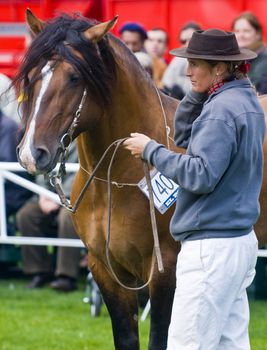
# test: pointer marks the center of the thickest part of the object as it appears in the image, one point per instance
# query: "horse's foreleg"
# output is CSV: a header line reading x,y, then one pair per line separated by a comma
x,y
122,306
161,292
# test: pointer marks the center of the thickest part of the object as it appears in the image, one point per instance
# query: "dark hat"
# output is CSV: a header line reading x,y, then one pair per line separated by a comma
x,y
214,44
134,27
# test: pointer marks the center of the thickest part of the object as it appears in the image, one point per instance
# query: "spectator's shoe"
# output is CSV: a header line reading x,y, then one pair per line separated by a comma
x,y
64,284
39,280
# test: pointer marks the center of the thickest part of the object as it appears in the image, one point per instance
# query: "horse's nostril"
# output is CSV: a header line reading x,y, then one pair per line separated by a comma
x,y
42,157
18,152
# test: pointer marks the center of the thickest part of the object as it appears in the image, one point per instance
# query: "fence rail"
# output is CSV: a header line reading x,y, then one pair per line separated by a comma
x,y
6,172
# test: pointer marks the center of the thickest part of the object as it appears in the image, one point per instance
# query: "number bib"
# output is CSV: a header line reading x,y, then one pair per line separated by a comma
x,y
164,190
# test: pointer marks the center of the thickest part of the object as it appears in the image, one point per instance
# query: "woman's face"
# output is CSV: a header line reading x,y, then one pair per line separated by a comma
x,y
246,35
202,75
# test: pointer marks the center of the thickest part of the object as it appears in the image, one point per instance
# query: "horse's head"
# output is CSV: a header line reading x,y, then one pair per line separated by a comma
x,y
64,69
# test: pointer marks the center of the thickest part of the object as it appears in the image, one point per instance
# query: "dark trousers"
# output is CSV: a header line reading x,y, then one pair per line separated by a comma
x,y
32,222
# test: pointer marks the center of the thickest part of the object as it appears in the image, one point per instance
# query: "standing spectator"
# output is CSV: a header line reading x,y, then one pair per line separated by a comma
x,y
42,218
157,42
156,46
133,35
175,74
249,34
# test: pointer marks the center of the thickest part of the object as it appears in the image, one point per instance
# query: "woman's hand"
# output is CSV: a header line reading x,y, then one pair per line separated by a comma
x,y
136,143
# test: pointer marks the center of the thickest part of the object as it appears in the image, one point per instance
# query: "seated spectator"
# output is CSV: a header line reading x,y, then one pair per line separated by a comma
x,y
42,218
175,74
133,35
249,35
156,46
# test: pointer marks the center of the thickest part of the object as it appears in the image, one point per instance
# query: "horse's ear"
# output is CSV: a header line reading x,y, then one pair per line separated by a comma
x,y
97,32
36,25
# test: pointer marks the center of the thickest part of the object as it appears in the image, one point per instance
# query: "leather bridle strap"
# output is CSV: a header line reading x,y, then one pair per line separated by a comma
x,y
65,202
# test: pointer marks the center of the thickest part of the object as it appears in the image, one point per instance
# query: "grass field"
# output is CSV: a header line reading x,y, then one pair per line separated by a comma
x,y
45,320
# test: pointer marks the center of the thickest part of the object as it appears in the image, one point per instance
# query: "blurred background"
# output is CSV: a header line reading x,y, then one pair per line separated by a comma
x,y
167,14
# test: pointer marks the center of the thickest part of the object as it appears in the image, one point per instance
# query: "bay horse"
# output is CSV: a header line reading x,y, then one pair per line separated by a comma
x,y
71,55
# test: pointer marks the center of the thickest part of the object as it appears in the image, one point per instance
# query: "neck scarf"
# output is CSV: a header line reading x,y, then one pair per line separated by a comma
x,y
214,87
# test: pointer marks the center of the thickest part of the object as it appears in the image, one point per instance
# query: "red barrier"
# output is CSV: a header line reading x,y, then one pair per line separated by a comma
x,y
13,29
172,14
168,14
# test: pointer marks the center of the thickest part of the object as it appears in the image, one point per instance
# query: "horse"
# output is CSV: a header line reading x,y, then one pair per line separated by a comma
x,y
76,65
71,55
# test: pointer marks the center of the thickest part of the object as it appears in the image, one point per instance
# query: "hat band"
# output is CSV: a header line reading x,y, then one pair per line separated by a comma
x,y
216,52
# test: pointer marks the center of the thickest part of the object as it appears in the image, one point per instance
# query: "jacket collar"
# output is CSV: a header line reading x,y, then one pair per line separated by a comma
x,y
240,83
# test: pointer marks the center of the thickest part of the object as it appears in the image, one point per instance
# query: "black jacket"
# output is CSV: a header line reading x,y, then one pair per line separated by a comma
x,y
10,136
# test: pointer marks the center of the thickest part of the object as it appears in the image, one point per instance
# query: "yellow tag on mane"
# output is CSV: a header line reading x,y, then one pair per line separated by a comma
x,y
22,97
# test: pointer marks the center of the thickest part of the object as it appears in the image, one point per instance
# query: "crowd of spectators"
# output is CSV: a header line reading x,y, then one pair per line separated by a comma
x,y
40,217
151,46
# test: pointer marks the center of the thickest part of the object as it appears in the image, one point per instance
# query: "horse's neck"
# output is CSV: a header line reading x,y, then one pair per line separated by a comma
x,y
136,107
136,100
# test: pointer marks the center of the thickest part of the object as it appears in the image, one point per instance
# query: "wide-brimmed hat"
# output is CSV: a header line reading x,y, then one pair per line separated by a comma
x,y
215,45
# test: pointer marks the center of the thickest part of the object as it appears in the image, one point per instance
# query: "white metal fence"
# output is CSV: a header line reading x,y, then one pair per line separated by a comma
x,y
6,172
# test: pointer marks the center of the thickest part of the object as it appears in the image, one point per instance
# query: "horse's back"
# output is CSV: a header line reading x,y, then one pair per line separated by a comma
x,y
261,225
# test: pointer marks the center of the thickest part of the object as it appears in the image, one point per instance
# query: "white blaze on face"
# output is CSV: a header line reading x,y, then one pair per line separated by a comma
x,y
25,153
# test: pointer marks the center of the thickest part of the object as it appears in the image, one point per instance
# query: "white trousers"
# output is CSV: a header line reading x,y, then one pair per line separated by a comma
x,y
210,307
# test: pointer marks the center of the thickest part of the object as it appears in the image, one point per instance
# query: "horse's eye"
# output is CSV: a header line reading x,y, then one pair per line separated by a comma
x,y
74,78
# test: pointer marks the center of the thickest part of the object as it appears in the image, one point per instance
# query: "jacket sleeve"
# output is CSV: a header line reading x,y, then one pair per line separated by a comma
x,y
200,170
187,112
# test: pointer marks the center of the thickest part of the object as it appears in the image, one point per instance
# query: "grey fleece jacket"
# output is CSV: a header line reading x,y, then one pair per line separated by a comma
x,y
220,175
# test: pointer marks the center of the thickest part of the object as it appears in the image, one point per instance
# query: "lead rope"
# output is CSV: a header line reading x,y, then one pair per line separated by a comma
x,y
56,182
153,222
166,126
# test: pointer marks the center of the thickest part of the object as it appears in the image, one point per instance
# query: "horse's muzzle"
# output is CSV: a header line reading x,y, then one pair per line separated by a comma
x,y
36,160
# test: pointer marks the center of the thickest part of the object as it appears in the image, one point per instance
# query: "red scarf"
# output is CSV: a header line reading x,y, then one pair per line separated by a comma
x,y
214,87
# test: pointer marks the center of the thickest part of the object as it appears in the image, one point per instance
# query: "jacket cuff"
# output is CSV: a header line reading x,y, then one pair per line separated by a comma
x,y
149,149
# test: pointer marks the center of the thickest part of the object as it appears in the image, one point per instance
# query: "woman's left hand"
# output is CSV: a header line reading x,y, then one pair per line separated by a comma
x,y
136,143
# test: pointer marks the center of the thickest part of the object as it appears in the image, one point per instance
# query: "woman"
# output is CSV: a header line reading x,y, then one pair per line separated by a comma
x,y
249,34
222,125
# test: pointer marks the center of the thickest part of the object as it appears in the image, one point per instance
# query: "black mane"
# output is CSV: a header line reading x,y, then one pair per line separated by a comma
x,y
97,72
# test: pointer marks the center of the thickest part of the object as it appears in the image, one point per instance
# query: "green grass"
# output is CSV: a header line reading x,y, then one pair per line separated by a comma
x,y
46,320
258,324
